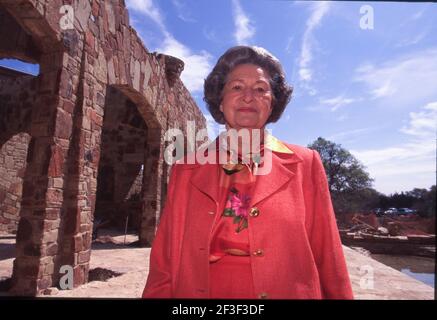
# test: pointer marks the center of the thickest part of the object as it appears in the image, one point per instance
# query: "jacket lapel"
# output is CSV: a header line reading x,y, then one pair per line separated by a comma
x,y
206,179
282,171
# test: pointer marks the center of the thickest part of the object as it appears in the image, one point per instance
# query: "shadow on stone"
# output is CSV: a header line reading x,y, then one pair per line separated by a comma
x,y
101,274
7,251
5,284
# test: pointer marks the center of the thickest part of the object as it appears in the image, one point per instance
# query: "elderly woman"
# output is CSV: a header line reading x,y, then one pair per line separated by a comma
x,y
227,232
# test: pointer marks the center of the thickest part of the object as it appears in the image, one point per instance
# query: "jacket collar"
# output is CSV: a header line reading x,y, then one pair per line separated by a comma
x,y
282,171
206,176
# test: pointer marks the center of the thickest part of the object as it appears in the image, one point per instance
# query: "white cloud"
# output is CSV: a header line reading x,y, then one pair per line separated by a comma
x,y
289,47
424,123
305,74
386,89
333,103
402,81
342,117
318,11
197,65
417,15
408,165
211,35
183,12
400,168
412,41
244,29
409,39
148,8
337,102
349,135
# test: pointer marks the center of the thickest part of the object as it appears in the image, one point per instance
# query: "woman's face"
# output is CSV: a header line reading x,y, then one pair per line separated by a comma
x,y
247,97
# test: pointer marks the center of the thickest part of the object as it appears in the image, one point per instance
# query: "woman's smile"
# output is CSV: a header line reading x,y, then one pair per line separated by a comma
x,y
246,109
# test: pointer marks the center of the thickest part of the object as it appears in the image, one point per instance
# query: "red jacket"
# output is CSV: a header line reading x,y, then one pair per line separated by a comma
x,y
296,229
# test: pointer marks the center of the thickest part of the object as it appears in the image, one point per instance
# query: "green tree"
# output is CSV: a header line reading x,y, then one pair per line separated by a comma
x,y
350,185
424,201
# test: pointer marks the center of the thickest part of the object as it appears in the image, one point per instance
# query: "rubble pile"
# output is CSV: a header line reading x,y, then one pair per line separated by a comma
x,y
387,225
410,235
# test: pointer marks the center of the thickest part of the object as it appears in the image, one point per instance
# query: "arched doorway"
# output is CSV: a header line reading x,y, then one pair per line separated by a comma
x,y
119,198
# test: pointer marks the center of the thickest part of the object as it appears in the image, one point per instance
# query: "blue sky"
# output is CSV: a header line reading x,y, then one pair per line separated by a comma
x,y
374,91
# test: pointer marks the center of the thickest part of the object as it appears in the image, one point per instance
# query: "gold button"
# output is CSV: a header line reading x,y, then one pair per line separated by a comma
x,y
258,253
254,212
263,295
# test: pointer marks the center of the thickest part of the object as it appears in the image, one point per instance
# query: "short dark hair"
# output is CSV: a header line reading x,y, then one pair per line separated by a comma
x,y
216,80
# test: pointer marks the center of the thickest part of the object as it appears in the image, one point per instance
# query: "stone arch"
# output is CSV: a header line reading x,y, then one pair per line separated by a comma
x,y
124,144
154,168
28,107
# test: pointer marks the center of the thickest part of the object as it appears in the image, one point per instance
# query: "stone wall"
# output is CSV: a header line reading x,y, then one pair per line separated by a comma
x,y
12,166
63,111
17,93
